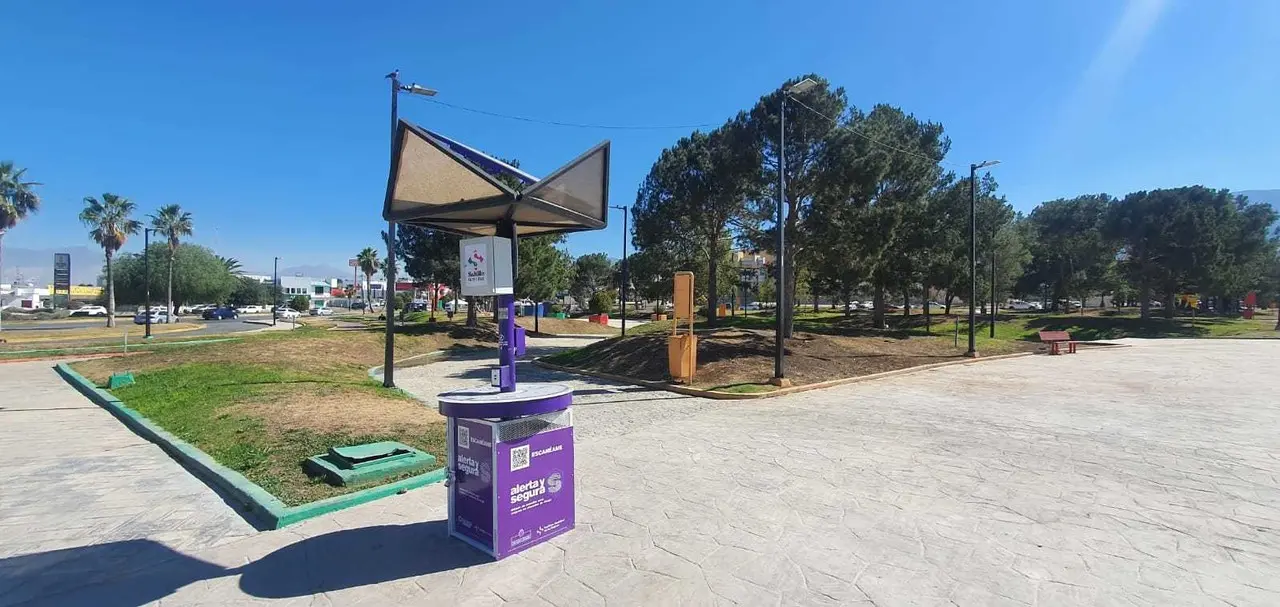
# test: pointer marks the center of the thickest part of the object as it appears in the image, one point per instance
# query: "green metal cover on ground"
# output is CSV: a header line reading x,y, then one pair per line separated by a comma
x,y
358,464
119,380
357,456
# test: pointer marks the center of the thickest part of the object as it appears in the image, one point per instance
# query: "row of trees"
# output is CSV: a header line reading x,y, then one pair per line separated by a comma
x,y
110,222
871,208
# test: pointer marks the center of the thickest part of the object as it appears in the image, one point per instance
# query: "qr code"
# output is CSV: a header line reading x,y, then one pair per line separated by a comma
x,y
464,437
520,458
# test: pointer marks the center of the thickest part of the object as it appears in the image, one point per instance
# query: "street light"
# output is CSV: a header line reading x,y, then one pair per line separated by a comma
x,y
388,357
973,251
146,276
275,290
625,282
779,374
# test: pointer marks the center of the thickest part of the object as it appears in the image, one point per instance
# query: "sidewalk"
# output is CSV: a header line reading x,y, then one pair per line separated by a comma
x,y
1152,483
74,476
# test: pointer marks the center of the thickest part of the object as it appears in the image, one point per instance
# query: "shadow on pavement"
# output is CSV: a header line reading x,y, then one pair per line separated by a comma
x,y
134,572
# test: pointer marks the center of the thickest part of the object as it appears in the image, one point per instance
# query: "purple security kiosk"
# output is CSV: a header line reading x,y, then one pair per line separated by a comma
x,y
510,445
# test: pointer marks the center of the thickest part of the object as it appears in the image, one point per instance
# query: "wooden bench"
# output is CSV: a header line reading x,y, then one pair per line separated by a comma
x,y
1055,339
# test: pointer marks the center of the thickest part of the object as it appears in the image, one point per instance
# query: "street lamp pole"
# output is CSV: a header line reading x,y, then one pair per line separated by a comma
x,y
781,313
993,280
625,279
275,290
388,355
973,252
146,273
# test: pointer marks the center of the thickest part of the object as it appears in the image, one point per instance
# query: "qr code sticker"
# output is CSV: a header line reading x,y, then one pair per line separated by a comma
x,y
464,437
520,458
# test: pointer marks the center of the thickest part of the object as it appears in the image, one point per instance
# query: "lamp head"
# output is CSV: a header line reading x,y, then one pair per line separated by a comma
x,y
802,86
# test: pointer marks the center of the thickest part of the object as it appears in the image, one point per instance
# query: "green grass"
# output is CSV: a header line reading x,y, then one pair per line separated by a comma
x,y
197,402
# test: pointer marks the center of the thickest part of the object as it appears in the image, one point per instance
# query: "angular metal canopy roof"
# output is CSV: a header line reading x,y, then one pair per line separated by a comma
x,y
441,183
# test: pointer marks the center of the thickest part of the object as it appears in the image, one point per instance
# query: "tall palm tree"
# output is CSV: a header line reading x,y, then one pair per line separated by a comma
x,y
17,200
174,223
232,264
110,225
368,262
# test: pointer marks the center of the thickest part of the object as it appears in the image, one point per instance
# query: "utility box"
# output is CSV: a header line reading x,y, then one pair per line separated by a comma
x,y
682,354
486,266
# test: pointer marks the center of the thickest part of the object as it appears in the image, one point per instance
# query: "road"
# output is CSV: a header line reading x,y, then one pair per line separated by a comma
x,y
211,327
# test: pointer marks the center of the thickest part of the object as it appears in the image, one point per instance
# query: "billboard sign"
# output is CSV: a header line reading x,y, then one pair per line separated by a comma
x,y
62,272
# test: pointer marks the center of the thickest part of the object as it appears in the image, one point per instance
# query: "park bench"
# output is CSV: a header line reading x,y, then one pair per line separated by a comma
x,y
1055,339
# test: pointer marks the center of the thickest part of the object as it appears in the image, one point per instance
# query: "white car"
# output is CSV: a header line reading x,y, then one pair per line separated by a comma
x,y
249,309
866,305
321,312
287,313
89,311
157,317
1018,304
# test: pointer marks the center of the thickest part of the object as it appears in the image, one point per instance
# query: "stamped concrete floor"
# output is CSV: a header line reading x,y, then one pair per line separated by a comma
x,y
1126,476
71,475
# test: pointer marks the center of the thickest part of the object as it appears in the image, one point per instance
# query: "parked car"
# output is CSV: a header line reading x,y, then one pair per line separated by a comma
x,y
89,311
220,313
321,312
1018,304
866,305
249,309
755,305
287,313
157,317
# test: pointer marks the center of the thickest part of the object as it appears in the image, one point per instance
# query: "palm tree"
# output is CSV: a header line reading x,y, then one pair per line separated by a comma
x,y
368,262
174,223
232,264
110,226
17,200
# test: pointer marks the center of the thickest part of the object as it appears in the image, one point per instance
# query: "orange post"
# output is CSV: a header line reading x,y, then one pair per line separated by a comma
x,y
682,347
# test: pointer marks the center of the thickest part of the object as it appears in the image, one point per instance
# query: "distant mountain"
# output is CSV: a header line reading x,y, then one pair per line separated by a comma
x,y
36,265
1271,197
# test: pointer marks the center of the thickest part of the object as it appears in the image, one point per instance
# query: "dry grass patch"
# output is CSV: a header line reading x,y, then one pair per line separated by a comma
x,y
559,326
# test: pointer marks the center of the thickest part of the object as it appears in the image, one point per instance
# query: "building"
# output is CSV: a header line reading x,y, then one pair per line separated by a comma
x,y
319,290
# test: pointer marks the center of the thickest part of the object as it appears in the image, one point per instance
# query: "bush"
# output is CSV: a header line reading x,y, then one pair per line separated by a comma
x,y
416,317
403,300
301,303
555,308
601,302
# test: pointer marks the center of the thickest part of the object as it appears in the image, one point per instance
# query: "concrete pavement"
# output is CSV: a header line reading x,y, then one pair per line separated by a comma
x,y
1133,476
74,476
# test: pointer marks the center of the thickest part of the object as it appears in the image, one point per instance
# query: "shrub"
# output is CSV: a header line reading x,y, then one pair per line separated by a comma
x,y
301,303
601,302
555,308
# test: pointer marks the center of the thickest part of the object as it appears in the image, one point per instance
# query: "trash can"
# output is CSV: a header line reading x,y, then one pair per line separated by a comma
x,y
510,465
519,340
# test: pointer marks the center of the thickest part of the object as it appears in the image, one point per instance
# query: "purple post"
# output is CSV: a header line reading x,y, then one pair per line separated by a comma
x,y
507,343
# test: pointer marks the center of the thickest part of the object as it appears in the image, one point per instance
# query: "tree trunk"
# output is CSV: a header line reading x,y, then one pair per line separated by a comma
x,y
169,293
906,303
1144,305
877,307
111,292
928,322
815,300
712,316
435,297
1168,304
947,308
472,320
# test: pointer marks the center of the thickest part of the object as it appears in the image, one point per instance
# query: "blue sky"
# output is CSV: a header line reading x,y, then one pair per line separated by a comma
x,y
269,120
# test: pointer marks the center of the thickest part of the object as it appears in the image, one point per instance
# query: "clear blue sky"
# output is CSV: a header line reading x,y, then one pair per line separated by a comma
x,y
269,120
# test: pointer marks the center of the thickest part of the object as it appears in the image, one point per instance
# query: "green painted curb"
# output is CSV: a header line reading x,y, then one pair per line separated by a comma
x,y
268,507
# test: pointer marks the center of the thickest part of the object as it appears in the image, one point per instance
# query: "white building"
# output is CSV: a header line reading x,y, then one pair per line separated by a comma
x,y
319,290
